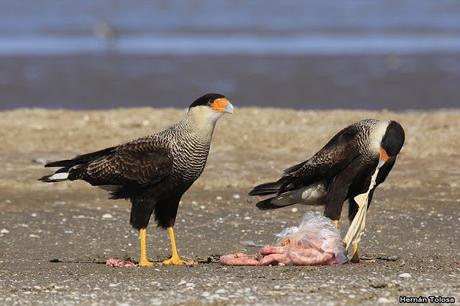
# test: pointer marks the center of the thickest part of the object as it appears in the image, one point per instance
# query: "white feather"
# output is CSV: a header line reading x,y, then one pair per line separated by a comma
x,y
377,134
309,195
59,176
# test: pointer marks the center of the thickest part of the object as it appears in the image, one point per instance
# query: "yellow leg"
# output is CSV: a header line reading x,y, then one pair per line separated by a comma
x,y
336,223
143,261
355,258
175,259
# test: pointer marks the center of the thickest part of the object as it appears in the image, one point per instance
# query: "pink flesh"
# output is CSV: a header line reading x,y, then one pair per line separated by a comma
x,y
239,259
306,252
118,263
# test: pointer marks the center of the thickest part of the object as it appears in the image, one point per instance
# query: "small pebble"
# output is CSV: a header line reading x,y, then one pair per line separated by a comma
x,y
4,231
106,216
219,198
405,275
236,196
294,209
40,160
384,300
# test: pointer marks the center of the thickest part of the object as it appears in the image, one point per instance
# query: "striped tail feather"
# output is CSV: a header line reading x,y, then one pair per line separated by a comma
x,y
56,177
70,165
270,188
275,202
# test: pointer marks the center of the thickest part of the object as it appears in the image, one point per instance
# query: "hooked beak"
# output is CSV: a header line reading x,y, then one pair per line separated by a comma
x,y
222,105
383,157
229,108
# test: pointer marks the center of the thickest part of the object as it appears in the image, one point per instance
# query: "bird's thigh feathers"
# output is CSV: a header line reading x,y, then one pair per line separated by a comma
x,y
141,210
338,189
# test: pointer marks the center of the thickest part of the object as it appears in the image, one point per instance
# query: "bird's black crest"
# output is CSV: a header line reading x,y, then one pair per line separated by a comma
x,y
206,99
393,140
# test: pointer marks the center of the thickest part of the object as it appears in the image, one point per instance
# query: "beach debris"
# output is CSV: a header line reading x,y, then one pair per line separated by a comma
x,y
40,160
107,216
316,241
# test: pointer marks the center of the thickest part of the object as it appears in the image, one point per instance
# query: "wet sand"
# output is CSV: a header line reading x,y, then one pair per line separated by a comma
x,y
54,238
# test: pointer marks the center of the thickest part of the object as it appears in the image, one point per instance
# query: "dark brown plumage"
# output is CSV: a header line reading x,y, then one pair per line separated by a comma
x,y
340,171
153,172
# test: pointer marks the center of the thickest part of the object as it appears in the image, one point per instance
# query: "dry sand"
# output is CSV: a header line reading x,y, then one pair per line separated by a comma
x,y
414,215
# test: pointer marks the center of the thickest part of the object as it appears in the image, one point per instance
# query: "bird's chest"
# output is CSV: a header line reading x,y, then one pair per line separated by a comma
x,y
190,159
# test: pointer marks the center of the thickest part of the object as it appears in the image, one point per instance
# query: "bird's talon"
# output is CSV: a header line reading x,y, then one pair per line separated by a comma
x,y
174,261
145,263
355,258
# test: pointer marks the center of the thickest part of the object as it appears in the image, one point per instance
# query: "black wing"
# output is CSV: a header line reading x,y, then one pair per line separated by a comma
x,y
339,152
336,155
139,163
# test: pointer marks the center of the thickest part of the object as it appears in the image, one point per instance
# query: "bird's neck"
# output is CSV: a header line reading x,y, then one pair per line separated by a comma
x,y
200,124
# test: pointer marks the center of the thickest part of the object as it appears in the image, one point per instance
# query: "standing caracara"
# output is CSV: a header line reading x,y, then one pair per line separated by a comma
x,y
350,166
153,172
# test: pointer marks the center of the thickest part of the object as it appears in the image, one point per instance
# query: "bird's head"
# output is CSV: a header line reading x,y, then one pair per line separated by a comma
x,y
211,106
392,142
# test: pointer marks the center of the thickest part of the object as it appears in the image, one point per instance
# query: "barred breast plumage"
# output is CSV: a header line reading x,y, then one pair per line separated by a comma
x,y
154,170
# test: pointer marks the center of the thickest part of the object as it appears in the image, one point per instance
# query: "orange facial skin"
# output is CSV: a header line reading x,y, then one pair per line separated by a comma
x,y
383,155
218,105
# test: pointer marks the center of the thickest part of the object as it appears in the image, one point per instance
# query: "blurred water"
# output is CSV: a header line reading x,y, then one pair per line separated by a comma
x,y
226,26
134,46
232,44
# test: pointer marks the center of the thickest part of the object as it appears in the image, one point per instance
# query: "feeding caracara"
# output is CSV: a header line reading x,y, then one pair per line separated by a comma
x,y
350,166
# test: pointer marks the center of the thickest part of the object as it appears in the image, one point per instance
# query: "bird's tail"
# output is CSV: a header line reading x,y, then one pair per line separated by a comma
x,y
275,202
69,166
59,176
269,188
309,195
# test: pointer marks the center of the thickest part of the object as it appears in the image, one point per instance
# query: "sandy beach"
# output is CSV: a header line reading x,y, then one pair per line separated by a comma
x,y
53,238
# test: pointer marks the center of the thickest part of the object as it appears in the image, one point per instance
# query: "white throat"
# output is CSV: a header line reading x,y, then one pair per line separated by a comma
x,y
376,135
202,120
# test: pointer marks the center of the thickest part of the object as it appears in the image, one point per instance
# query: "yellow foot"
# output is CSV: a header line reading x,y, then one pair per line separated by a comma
x,y
174,261
145,263
355,258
